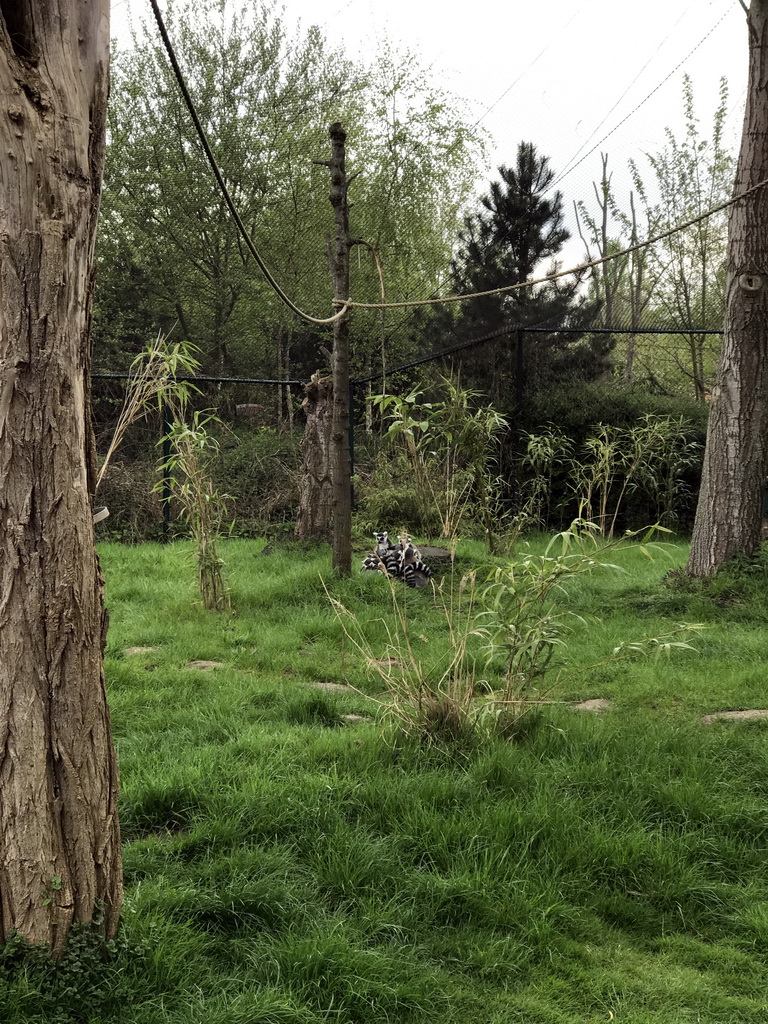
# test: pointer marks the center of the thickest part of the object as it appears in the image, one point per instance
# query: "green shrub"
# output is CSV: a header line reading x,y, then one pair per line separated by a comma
x,y
392,506
135,510
259,470
575,408
201,507
438,474
579,413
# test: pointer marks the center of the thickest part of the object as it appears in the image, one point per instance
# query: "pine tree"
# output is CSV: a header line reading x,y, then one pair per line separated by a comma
x,y
519,225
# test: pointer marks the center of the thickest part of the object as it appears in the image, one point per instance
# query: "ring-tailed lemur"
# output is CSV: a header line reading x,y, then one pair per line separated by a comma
x,y
383,544
385,557
400,561
414,572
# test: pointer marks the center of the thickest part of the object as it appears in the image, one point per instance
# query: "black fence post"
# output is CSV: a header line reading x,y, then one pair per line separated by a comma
x,y
166,491
520,367
352,443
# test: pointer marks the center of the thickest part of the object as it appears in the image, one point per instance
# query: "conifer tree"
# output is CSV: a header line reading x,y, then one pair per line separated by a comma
x,y
519,226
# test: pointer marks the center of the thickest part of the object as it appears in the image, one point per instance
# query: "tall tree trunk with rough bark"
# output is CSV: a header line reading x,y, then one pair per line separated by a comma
x,y
59,835
729,513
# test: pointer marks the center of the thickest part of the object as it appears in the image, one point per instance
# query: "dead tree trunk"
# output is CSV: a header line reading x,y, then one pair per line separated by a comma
x,y
342,498
59,836
611,272
315,517
636,302
729,513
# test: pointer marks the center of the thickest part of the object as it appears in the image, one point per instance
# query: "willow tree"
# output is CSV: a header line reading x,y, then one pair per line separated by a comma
x,y
729,513
59,835
169,252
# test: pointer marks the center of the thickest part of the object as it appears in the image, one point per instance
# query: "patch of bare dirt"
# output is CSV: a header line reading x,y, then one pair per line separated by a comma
x,y
594,704
737,716
333,687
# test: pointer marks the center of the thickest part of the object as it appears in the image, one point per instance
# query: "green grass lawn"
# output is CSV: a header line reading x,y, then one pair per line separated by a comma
x,y
286,866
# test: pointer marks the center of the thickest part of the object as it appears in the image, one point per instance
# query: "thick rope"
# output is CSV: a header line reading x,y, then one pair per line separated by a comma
x,y
571,270
346,304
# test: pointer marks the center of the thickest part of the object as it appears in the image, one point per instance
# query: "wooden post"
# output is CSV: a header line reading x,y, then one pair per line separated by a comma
x,y
342,504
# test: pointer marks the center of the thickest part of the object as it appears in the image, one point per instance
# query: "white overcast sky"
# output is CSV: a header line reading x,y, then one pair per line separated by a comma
x,y
562,73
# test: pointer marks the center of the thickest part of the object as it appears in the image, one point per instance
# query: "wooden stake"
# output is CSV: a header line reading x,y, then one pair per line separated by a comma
x,y
340,459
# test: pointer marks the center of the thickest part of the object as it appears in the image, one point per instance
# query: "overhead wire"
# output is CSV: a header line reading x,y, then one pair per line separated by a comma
x,y
442,300
635,109
493,106
482,117
618,101
341,9
570,166
525,71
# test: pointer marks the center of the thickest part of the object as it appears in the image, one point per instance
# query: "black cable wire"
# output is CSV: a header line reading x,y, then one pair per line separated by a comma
x,y
572,166
124,375
220,179
525,71
241,227
594,132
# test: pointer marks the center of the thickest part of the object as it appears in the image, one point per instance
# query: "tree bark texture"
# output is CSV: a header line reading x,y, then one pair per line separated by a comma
x,y
59,835
729,513
315,518
342,498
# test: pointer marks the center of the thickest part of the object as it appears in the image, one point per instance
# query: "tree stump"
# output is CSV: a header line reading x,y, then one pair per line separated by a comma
x,y
440,557
315,517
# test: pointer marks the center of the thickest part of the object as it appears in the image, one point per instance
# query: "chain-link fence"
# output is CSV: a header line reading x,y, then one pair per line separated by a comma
x,y
216,133
260,421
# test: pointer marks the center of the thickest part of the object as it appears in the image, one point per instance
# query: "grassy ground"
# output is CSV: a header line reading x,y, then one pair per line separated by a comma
x,y
284,866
